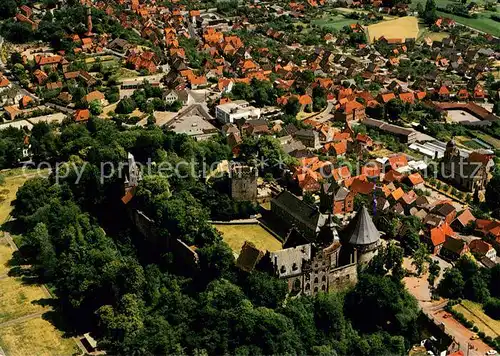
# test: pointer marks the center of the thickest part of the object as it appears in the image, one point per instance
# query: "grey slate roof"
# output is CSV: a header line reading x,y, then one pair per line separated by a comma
x,y
362,229
341,194
302,211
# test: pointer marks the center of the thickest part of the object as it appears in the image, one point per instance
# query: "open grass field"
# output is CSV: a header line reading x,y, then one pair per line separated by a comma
x,y
236,235
404,27
333,22
35,337
125,73
5,256
16,299
30,335
474,313
13,180
482,23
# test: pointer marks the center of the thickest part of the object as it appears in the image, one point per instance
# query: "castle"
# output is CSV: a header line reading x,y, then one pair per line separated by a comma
x,y
314,257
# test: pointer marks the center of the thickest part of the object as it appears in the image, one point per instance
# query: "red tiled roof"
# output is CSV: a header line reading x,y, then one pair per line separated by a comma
x,y
398,194
387,97
82,115
466,217
398,161
416,178
407,97
443,90
439,234
480,246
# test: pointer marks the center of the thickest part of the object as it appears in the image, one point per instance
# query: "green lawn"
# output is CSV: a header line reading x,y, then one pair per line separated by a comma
x,y
474,313
333,22
439,3
482,23
235,236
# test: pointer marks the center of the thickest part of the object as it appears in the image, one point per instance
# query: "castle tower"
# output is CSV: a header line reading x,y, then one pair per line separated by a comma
x,y
362,235
452,151
328,233
89,19
244,183
327,195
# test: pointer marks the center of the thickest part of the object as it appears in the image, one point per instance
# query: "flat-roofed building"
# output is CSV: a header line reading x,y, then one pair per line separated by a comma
x,y
239,109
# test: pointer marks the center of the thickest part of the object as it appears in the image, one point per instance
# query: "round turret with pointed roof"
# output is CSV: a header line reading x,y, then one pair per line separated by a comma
x,y
361,230
362,236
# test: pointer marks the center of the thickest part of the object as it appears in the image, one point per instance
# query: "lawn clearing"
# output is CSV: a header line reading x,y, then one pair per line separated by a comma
x,y
235,236
124,73
35,337
402,28
333,22
13,180
437,36
474,313
5,256
16,299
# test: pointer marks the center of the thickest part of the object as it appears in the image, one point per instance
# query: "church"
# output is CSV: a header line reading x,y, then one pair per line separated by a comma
x,y
469,172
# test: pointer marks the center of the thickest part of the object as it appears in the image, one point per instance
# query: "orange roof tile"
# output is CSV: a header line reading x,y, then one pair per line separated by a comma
x,y
388,97
416,178
398,194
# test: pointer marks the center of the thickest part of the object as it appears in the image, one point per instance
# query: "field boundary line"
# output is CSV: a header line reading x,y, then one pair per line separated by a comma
x,y
22,319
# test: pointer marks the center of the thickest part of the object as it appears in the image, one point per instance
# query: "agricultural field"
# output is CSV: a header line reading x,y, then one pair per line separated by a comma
x,y
235,236
35,337
487,138
483,23
475,314
404,27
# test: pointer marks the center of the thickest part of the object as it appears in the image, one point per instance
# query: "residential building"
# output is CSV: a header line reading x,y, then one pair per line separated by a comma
x,y
454,248
309,138
351,111
482,248
235,110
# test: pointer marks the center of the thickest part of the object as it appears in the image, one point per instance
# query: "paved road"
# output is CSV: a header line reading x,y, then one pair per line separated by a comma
x,y
324,115
60,108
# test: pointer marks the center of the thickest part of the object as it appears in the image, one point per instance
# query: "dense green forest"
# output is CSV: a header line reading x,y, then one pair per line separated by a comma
x,y
136,301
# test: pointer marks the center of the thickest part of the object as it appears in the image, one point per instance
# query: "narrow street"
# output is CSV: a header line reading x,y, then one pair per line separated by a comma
x,y
434,309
